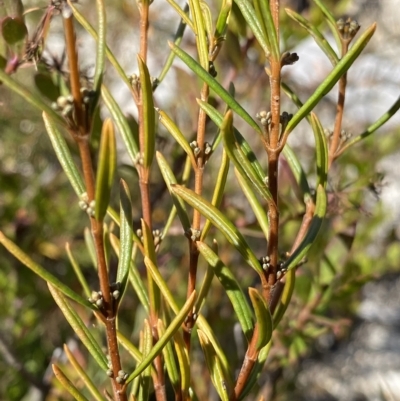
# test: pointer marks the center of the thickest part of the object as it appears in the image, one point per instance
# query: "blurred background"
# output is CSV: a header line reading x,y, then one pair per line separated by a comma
x,y
340,339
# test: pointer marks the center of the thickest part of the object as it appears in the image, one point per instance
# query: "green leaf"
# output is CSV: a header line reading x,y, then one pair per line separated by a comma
x,y
214,367
67,384
344,64
331,21
79,328
145,376
169,332
298,172
64,156
169,359
149,124
204,287
269,27
150,253
240,160
220,221
290,279
321,148
170,179
166,121
232,288
177,41
106,169
316,222
250,16
83,375
13,30
161,284
316,34
34,100
184,363
126,236
122,124
200,32
218,190
41,272
256,207
263,319
77,270
87,235
46,86
375,126
222,21
182,13
215,86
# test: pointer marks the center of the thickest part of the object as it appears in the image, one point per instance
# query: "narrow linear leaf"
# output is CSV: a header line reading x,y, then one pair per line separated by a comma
x,y
232,288
171,127
204,288
149,124
106,169
240,160
126,236
182,14
256,207
133,351
321,148
122,124
214,369
169,358
161,284
316,222
89,242
64,156
200,32
298,172
330,20
67,384
375,126
204,326
344,64
263,319
170,179
220,221
177,41
218,190
290,279
41,272
184,363
223,19
89,28
250,16
150,253
169,332
316,34
145,376
79,328
214,85
34,100
83,375
77,270
267,20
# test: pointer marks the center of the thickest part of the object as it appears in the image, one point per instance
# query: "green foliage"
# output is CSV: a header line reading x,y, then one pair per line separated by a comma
x,y
131,283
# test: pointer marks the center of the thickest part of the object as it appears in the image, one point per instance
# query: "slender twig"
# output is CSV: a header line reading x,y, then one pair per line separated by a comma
x,y
81,134
273,150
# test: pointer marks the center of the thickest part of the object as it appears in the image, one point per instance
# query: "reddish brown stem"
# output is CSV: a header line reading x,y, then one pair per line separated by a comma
x,y
335,142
